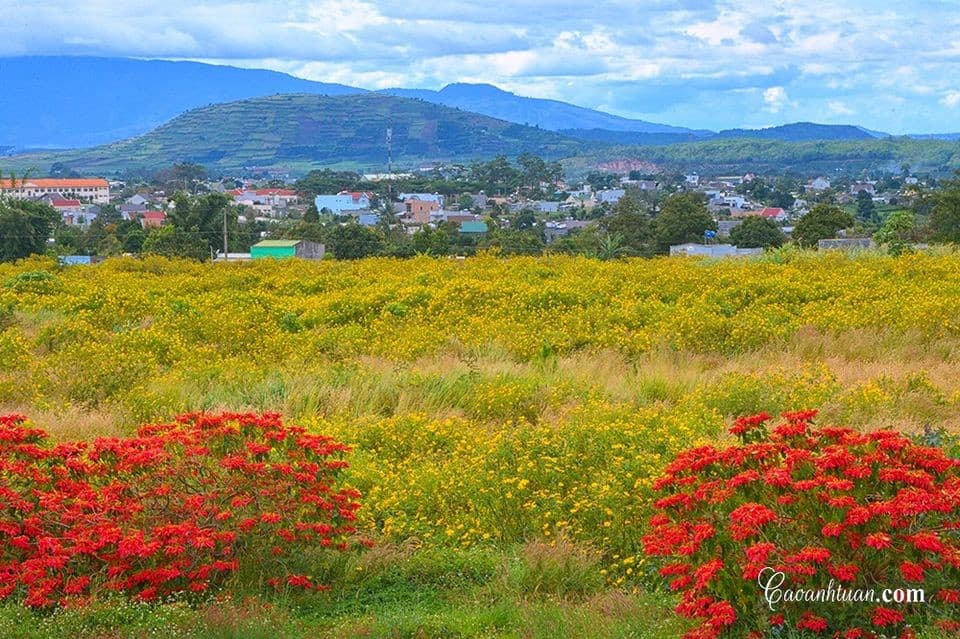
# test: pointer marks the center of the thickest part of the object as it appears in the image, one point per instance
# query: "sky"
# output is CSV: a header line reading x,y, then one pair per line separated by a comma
x,y
892,66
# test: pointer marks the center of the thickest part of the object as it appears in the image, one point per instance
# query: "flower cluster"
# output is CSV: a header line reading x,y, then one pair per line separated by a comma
x,y
178,507
823,506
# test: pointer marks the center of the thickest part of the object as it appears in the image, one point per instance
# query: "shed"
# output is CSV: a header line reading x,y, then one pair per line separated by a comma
x,y
473,227
304,249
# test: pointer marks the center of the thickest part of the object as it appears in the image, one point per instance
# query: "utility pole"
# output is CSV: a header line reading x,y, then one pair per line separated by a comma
x,y
226,255
390,164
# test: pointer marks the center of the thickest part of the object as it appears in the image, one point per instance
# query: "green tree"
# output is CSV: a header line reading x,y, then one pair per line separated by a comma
x,y
945,211
172,242
203,217
866,210
25,227
352,241
683,218
430,241
757,232
632,225
311,215
823,221
897,232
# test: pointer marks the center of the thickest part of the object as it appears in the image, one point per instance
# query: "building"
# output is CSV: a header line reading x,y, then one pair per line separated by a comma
x,y
87,190
609,196
420,210
712,250
846,244
343,201
152,219
473,227
279,249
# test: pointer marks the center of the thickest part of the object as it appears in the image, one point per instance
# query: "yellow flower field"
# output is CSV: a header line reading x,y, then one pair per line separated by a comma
x,y
489,400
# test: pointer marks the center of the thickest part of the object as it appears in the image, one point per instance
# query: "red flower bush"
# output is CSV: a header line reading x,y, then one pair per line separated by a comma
x,y
178,507
751,533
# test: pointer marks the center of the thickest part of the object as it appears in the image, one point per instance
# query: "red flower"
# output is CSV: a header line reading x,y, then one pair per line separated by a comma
x,y
878,540
886,616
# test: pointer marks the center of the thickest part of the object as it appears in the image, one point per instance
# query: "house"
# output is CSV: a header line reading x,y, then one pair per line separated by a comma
x,y
609,196
368,219
866,187
89,190
343,201
152,219
543,206
771,213
712,250
423,197
473,227
819,184
131,211
420,210
279,249
552,231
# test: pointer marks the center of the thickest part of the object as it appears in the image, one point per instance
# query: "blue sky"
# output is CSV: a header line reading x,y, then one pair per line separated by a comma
x,y
891,66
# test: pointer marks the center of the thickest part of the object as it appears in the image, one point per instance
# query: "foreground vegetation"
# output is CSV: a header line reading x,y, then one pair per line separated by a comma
x,y
508,417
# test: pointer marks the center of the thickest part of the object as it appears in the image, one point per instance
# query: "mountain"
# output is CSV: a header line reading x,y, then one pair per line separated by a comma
x,y
552,115
935,136
800,132
302,131
68,102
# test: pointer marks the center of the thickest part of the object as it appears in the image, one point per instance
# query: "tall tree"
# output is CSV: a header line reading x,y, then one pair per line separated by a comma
x,y
822,222
757,232
25,228
683,218
945,211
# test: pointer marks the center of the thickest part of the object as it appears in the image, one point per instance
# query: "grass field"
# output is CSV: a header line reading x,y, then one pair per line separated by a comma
x,y
507,416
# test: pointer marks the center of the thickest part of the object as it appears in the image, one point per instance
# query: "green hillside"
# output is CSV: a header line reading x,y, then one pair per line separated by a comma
x,y
300,131
738,155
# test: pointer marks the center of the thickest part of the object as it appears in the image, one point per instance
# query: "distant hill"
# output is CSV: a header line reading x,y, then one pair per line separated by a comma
x,y
800,132
69,102
935,136
546,114
302,131
731,156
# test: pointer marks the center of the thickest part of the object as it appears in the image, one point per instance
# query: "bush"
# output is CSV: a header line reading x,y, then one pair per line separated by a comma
x,y
820,509
178,507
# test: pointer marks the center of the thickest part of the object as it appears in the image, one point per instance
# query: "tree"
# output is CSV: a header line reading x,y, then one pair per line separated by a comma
x,y
757,232
897,232
683,218
311,215
171,241
866,210
945,211
203,217
820,223
352,241
25,228
430,241
632,225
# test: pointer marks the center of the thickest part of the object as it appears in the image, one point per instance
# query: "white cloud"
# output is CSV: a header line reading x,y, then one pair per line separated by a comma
x,y
774,99
839,108
951,100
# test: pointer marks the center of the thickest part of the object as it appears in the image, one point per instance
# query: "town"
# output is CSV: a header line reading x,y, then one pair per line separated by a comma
x,y
520,207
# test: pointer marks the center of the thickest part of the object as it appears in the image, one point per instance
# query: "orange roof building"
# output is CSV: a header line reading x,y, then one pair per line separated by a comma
x,y
96,190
